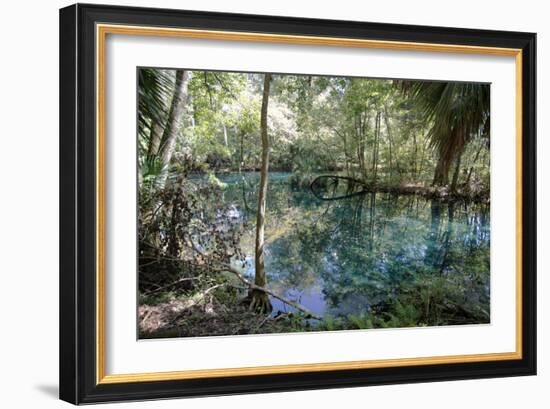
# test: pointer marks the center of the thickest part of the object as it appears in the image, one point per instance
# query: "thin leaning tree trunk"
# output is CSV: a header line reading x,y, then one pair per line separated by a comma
x,y
259,300
174,121
155,139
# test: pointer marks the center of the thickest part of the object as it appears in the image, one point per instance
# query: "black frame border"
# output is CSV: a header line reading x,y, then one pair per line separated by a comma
x,y
78,197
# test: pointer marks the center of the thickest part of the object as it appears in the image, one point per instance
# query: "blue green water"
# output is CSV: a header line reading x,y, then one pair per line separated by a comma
x,y
362,253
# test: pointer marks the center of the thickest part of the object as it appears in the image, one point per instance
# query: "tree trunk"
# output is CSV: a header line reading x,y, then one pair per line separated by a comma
x,y
375,149
364,130
241,156
154,139
174,121
441,173
472,166
225,135
415,166
360,146
346,155
260,300
163,142
447,158
390,141
456,173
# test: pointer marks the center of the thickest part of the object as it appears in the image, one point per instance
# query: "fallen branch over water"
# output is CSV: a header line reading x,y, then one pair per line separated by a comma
x,y
321,187
253,286
230,269
240,277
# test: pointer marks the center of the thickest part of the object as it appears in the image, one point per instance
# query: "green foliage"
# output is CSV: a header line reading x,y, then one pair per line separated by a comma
x,y
155,89
457,111
150,170
416,263
383,131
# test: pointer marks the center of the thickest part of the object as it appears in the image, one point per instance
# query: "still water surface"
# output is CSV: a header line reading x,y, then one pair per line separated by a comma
x,y
345,256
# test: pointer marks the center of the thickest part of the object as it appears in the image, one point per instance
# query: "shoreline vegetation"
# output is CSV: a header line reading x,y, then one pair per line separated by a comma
x,y
461,193
358,153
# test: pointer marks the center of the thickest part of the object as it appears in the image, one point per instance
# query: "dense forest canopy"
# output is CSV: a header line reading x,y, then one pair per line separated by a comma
x,y
400,137
384,131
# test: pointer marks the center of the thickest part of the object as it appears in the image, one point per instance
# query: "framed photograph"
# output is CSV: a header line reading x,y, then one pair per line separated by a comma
x,y
257,203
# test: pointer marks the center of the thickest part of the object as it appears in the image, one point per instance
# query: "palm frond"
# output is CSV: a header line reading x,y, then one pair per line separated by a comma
x,y
457,112
155,88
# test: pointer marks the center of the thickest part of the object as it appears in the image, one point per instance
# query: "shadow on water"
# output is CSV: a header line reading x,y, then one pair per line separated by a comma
x,y
360,253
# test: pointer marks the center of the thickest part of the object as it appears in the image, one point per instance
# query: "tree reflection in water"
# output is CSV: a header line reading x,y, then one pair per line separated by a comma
x,y
377,259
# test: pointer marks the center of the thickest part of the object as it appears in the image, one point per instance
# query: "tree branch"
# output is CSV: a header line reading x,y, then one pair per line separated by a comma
x,y
252,286
230,269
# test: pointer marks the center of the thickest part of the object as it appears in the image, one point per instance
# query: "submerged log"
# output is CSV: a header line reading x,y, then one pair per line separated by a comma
x,y
332,187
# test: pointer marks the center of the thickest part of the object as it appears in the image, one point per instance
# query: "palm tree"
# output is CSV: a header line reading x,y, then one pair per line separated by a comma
x,y
162,103
457,112
155,90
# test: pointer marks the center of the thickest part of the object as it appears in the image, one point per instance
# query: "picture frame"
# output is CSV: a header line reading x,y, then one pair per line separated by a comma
x,y
83,218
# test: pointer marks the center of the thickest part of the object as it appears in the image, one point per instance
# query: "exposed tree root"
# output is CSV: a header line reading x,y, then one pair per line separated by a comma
x,y
258,301
252,286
